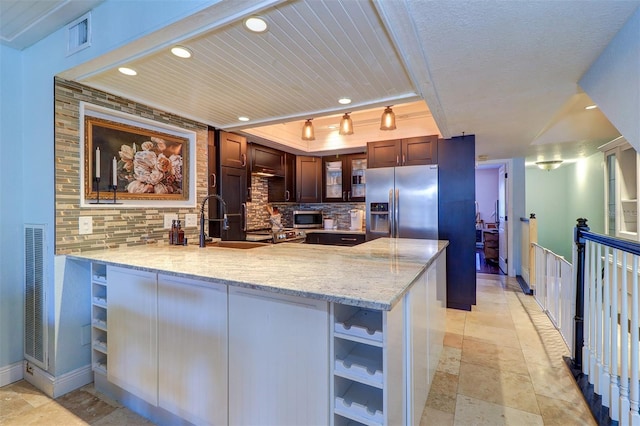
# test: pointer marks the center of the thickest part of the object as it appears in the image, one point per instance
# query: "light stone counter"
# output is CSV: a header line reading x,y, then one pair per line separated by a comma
x,y
375,274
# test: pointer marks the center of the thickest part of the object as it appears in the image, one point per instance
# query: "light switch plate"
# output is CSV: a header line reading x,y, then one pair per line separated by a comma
x,y
190,220
85,225
168,218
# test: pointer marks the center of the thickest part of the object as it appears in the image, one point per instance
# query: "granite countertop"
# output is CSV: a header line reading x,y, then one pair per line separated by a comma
x,y
375,274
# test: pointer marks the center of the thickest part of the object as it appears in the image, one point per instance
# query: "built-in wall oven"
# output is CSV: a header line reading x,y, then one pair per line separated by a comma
x,y
307,219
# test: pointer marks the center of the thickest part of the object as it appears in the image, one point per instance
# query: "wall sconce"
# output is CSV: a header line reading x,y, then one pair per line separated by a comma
x,y
548,165
307,131
346,125
388,120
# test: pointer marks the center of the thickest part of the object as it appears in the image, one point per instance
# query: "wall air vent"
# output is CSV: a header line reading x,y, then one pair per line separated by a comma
x,y
79,34
35,318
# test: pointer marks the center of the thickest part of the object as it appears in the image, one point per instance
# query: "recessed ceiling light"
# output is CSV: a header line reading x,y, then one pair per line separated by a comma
x,y
127,71
256,24
332,126
591,107
243,118
344,101
181,52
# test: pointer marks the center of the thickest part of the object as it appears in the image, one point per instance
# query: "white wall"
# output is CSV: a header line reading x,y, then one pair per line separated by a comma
x,y
613,81
487,193
27,144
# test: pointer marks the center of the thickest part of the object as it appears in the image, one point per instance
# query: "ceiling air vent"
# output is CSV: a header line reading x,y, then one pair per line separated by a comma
x,y
79,34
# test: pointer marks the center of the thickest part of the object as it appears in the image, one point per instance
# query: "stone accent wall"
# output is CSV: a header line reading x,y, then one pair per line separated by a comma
x,y
112,227
257,214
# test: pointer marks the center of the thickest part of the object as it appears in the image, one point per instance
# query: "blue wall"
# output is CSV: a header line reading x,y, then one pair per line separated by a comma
x,y
27,142
11,201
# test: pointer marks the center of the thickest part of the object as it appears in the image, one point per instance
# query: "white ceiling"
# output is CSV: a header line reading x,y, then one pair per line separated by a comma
x,y
506,71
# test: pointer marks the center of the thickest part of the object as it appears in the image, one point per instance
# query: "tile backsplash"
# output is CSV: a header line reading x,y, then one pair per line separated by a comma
x,y
258,217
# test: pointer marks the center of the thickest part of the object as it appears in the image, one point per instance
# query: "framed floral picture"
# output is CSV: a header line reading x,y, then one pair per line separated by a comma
x,y
142,164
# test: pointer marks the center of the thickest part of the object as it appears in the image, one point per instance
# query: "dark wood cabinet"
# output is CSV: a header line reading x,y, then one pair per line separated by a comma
x,y
308,179
491,247
456,217
343,177
383,153
228,179
403,152
335,239
233,150
283,189
266,161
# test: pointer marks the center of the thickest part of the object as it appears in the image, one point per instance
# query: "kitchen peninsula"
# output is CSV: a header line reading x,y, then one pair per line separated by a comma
x,y
278,334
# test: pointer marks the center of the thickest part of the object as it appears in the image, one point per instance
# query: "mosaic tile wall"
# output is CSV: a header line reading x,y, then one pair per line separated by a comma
x,y
258,217
111,227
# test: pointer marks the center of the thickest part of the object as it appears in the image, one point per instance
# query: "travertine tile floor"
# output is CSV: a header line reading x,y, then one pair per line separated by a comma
x,y
501,365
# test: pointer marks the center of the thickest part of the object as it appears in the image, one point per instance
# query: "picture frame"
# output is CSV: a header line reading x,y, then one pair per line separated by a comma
x,y
149,164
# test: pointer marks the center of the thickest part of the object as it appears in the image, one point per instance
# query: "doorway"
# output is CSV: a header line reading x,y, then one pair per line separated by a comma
x,y
491,202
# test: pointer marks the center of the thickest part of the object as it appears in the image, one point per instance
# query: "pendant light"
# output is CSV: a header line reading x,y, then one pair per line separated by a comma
x,y
346,125
388,120
307,131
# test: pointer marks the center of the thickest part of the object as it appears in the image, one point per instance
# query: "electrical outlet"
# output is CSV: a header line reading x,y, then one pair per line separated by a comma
x,y
85,225
190,220
168,218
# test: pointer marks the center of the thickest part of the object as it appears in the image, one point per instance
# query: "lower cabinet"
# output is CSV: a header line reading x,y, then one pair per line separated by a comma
x,y
212,354
278,351
192,349
132,362
335,239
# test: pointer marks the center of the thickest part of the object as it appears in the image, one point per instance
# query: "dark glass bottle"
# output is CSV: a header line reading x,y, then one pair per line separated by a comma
x,y
180,235
173,233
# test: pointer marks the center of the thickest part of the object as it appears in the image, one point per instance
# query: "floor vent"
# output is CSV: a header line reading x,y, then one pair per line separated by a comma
x,y
35,326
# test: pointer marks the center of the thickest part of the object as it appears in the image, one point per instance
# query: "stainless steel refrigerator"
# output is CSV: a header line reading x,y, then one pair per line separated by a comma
x,y
402,202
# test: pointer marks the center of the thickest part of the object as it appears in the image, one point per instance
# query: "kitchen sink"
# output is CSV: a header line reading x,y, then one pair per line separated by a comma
x,y
237,244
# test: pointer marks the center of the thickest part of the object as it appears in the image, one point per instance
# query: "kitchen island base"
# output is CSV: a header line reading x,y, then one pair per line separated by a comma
x,y
222,353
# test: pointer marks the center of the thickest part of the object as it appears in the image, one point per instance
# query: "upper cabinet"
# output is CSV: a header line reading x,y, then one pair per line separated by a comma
x,y
283,189
308,179
621,189
266,161
233,150
403,152
344,177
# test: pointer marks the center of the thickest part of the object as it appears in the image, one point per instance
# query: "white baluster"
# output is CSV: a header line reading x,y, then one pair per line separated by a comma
x,y
624,347
593,377
606,331
634,397
586,303
614,391
597,380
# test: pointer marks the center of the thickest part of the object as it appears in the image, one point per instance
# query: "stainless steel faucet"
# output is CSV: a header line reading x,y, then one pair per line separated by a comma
x,y
225,220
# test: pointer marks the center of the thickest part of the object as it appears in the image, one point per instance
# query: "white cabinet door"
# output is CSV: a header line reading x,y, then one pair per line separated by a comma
x,y
132,360
278,359
192,356
418,348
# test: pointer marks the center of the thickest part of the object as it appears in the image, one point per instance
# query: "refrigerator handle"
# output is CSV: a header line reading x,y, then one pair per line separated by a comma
x,y
397,214
391,214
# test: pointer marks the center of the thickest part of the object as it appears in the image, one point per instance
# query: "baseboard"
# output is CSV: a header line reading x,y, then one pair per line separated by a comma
x,y
60,385
524,286
11,373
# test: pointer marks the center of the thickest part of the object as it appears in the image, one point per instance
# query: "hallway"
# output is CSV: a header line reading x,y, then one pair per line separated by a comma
x,y
502,365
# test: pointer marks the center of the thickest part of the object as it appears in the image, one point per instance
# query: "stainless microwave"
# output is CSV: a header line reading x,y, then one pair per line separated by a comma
x,y
307,219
